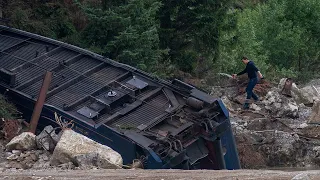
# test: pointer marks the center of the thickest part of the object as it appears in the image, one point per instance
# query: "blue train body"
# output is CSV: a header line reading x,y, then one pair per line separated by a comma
x,y
165,124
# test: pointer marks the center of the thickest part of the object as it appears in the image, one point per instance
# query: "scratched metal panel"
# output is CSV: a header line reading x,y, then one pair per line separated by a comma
x,y
6,42
35,70
40,66
143,114
63,55
86,86
84,64
27,51
8,62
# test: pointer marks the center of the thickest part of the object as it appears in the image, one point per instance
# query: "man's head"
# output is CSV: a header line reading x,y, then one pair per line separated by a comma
x,y
245,60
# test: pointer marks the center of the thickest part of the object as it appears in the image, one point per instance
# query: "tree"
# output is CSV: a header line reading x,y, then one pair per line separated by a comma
x,y
46,18
282,36
126,31
190,29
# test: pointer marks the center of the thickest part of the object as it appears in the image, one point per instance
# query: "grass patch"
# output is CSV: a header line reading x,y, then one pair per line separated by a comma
x,y
7,110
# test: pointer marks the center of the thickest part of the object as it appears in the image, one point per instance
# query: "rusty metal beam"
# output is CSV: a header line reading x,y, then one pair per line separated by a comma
x,y
40,102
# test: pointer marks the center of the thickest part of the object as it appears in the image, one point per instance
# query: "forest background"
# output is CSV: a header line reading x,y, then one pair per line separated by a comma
x,y
174,38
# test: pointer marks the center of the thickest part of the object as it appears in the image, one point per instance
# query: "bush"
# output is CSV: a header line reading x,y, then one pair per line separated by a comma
x,y
280,36
7,110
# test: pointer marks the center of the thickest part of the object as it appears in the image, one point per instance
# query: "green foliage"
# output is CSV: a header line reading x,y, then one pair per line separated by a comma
x,y
127,33
55,16
75,39
47,19
7,110
190,29
195,36
20,18
281,36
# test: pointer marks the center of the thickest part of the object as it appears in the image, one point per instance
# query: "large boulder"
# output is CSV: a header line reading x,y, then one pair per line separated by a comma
x,y
25,141
91,160
306,95
315,115
74,147
280,106
281,148
294,87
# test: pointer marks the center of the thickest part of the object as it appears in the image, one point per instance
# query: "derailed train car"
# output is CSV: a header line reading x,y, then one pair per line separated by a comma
x,y
164,124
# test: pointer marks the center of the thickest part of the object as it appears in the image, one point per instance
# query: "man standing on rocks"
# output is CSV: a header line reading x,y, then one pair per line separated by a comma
x,y
252,72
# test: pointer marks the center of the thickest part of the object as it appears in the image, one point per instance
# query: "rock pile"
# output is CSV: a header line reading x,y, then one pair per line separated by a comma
x,y
278,131
70,151
280,106
36,159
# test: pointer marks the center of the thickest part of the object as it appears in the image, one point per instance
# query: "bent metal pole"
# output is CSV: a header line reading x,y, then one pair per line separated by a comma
x,y
40,102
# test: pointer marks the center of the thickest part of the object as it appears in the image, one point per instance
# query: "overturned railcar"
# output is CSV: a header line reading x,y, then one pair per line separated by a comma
x,y
164,124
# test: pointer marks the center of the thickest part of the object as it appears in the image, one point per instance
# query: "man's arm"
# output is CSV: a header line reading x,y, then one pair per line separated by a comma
x,y
242,72
258,71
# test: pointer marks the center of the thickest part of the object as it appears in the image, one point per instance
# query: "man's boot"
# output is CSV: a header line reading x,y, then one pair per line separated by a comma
x,y
246,104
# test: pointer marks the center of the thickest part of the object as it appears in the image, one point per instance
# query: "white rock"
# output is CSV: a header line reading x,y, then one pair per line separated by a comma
x,y
293,106
277,105
7,154
317,148
12,157
239,129
233,123
25,141
280,105
267,107
308,94
301,176
255,107
245,124
25,154
73,144
303,125
281,83
16,152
